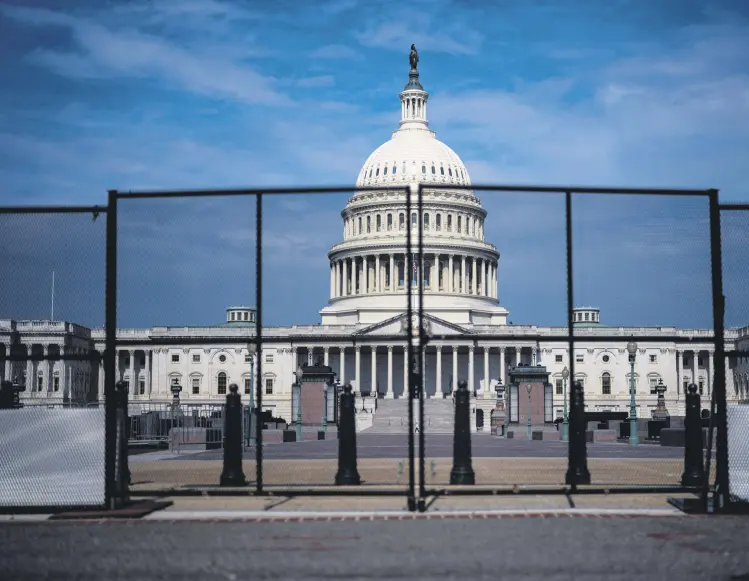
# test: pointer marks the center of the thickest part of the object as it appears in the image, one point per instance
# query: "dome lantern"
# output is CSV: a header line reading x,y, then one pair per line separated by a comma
x,y
414,98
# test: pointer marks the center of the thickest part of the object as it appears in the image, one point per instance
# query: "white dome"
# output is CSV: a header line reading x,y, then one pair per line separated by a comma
x,y
413,156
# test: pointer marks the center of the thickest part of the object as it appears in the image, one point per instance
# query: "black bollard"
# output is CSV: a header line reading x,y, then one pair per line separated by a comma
x,y
6,395
577,452
694,470
347,472
123,431
462,472
232,474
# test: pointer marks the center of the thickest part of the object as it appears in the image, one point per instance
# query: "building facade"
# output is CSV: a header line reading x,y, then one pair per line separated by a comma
x,y
363,330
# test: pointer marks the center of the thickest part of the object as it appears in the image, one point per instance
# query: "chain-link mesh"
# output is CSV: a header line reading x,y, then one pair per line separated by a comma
x,y
51,313
735,243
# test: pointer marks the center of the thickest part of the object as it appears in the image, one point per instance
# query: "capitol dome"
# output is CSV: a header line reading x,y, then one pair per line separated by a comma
x,y
371,271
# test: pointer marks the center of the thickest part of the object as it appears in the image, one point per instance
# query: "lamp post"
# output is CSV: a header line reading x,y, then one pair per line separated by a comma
x,y
530,432
565,417
299,373
500,389
252,349
633,437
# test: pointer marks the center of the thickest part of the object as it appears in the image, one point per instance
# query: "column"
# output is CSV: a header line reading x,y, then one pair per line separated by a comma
x,y
471,384
463,276
332,280
695,357
474,285
486,372
438,382
502,366
710,374
389,393
405,371
678,371
357,368
374,389
434,274
455,368
365,269
345,277
342,366
392,271
326,355
133,384
378,275
450,274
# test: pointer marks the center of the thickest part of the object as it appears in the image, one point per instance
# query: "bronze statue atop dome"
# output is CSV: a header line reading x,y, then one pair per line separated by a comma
x,y
414,57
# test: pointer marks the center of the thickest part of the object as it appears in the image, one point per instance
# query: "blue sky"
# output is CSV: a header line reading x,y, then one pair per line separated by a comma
x,y
202,93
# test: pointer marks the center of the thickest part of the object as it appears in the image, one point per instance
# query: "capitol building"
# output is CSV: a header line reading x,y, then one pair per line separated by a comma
x,y
362,334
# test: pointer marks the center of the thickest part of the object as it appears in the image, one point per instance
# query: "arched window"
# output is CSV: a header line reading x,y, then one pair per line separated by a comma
x,y
426,221
390,222
360,229
433,172
401,221
404,168
221,383
377,172
370,172
394,168
606,383
438,222
385,171
442,170
379,222
369,224
424,169
449,223
460,222
413,220
450,171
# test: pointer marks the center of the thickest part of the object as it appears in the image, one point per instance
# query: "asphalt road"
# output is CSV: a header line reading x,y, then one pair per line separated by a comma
x,y
437,446
583,549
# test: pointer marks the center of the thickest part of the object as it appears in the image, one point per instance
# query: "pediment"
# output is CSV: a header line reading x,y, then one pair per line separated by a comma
x,y
398,326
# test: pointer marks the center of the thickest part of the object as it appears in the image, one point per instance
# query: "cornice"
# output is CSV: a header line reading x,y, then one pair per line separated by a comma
x,y
474,249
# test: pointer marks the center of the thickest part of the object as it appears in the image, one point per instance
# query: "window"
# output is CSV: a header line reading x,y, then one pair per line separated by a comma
x,y
701,386
377,172
370,172
369,224
195,385
606,384
581,380
559,385
196,356
247,358
127,385
438,222
222,358
359,224
558,358
629,382
247,385
401,221
450,171
433,172
143,361
268,386
390,222
233,316
404,168
56,382
269,357
40,383
653,381
401,273
586,316
413,220
442,170
142,386
700,362
653,359
426,221
605,358
449,223
385,171
460,221
379,222
393,169
246,316
579,358
424,169
222,383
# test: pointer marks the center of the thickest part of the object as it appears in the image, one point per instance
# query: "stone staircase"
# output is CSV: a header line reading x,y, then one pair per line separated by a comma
x,y
392,417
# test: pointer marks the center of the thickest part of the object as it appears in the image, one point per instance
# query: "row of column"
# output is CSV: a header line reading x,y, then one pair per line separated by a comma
x,y
359,275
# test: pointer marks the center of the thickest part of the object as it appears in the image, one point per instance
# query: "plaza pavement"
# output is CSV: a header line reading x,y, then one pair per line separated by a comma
x,y
383,462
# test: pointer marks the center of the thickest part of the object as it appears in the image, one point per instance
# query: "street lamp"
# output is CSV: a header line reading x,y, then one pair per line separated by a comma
x,y
633,437
565,418
299,373
252,349
500,389
530,433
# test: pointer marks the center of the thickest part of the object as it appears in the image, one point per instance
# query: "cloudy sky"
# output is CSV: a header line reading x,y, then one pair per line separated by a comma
x,y
205,93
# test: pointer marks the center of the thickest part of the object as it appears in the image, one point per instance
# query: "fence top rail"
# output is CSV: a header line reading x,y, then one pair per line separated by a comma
x,y
53,210
729,206
404,187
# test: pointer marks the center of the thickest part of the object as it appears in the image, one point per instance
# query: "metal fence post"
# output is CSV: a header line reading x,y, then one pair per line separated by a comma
x,y
577,471
232,474
347,474
462,470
